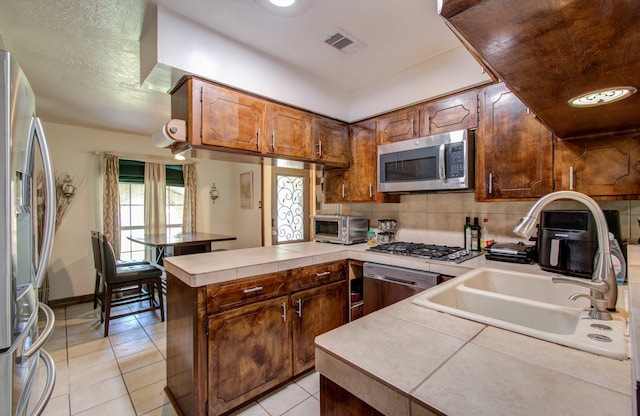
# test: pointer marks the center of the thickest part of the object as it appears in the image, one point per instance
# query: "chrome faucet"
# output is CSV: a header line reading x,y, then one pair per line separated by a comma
x,y
603,285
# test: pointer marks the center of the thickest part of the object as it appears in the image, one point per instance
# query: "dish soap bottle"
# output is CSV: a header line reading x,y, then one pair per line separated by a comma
x,y
486,240
475,235
467,234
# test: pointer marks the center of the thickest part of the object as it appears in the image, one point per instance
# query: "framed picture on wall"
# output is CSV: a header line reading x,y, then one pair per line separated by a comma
x,y
246,190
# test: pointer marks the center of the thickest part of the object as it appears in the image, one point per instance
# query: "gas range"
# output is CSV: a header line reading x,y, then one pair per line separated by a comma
x,y
426,251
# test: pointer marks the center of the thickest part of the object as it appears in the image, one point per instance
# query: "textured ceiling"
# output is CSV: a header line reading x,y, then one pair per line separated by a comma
x,y
82,57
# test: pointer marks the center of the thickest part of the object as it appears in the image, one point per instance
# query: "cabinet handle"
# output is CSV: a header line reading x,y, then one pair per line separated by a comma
x,y
323,274
413,129
284,311
258,139
273,140
490,183
571,178
299,311
343,190
319,148
253,289
428,124
370,190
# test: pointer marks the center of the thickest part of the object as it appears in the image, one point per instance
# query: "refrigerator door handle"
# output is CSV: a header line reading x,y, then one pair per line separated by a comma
x,y
43,336
47,391
50,203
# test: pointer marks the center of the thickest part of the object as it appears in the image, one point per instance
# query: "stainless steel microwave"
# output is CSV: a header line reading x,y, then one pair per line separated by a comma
x,y
432,163
339,229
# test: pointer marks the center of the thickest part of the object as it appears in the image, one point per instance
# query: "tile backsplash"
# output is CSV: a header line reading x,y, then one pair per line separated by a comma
x,y
439,218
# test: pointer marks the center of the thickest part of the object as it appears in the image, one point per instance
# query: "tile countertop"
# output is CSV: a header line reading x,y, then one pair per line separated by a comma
x,y
409,360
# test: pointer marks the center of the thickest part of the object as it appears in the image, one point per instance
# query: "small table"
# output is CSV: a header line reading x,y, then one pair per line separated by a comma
x,y
187,243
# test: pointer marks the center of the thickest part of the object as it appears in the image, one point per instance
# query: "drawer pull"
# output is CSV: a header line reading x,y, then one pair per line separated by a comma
x,y
322,274
299,301
284,311
253,289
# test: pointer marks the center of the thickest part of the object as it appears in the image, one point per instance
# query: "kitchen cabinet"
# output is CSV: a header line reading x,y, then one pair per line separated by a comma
x,y
331,142
230,119
457,112
288,132
360,182
400,125
514,151
604,168
249,353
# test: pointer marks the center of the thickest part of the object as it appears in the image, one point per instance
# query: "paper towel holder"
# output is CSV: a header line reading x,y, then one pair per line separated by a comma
x,y
175,131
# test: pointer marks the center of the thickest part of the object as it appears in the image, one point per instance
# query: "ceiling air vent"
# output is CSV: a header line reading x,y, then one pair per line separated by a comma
x,y
343,41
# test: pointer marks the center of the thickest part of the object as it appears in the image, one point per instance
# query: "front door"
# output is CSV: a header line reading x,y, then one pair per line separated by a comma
x,y
290,209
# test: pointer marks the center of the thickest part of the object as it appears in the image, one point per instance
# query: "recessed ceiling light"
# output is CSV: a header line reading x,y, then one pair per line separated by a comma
x,y
600,97
282,3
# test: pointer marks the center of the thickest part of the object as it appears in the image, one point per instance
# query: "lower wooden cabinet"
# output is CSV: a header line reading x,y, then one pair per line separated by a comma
x,y
249,353
316,311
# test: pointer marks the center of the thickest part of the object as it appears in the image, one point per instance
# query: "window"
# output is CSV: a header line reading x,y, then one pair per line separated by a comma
x,y
131,187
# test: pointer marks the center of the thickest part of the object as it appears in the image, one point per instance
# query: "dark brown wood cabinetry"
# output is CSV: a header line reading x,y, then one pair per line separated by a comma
x,y
457,112
604,168
288,132
359,183
400,125
228,343
514,151
331,142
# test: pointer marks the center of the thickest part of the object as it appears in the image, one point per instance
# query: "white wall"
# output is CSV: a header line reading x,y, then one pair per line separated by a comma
x,y
73,151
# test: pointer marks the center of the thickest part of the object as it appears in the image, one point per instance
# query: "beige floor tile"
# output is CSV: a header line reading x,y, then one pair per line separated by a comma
x,y
253,409
132,362
97,394
133,347
89,347
121,406
284,399
156,329
149,398
166,410
91,359
145,376
127,336
57,406
89,334
310,382
149,318
309,407
81,377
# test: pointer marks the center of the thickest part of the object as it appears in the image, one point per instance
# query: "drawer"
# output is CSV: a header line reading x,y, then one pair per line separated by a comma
x,y
238,293
319,274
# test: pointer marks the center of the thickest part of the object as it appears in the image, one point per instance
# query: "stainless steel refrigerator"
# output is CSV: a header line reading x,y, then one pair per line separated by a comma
x,y
23,256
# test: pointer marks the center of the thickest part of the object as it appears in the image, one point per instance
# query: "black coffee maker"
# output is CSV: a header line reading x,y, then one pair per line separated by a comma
x,y
568,241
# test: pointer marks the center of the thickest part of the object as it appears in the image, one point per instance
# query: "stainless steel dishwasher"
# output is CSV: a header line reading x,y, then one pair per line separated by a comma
x,y
384,285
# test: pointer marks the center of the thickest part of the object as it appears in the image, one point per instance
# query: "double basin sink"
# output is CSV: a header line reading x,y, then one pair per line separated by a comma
x,y
530,304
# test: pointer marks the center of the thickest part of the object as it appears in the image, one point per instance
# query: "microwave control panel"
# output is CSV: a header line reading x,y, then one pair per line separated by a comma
x,y
455,160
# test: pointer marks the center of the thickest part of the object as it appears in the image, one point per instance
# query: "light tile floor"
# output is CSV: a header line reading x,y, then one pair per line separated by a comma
x,y
125,373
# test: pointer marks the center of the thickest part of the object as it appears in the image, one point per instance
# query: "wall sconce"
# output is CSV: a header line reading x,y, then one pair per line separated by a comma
x,y
213,193
68,190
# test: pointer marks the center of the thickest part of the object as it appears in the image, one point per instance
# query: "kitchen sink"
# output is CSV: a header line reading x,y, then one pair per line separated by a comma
x,y
530,304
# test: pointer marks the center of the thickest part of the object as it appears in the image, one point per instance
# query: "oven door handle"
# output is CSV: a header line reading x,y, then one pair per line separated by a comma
x,y
396,280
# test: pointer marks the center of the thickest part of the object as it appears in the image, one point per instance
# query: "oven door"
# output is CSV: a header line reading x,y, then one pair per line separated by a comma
x,y
408,170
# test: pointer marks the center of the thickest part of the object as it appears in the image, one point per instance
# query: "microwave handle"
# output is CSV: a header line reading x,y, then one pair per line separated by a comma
x,y
441,164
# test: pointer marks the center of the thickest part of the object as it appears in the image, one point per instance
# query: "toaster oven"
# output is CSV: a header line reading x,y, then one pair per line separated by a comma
x,y
339,229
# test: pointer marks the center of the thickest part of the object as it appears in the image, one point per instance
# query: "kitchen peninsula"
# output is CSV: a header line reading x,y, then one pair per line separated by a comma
x,y
401,360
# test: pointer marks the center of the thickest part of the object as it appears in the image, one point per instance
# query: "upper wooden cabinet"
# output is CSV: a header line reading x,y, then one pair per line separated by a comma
x,y
602,168
359,183
400,125
514,152
331,142
457,112
550,51
288,132
230,119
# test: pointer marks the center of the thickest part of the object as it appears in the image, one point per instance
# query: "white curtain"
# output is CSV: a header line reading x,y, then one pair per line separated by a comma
x,y
155,180
190,188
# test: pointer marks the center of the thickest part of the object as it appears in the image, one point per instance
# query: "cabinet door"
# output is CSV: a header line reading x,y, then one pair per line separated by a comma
x,y
602,167
335,186
514,151
399,125
363,175
331,140
288,132
457,112
231,119
316,311
249,353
